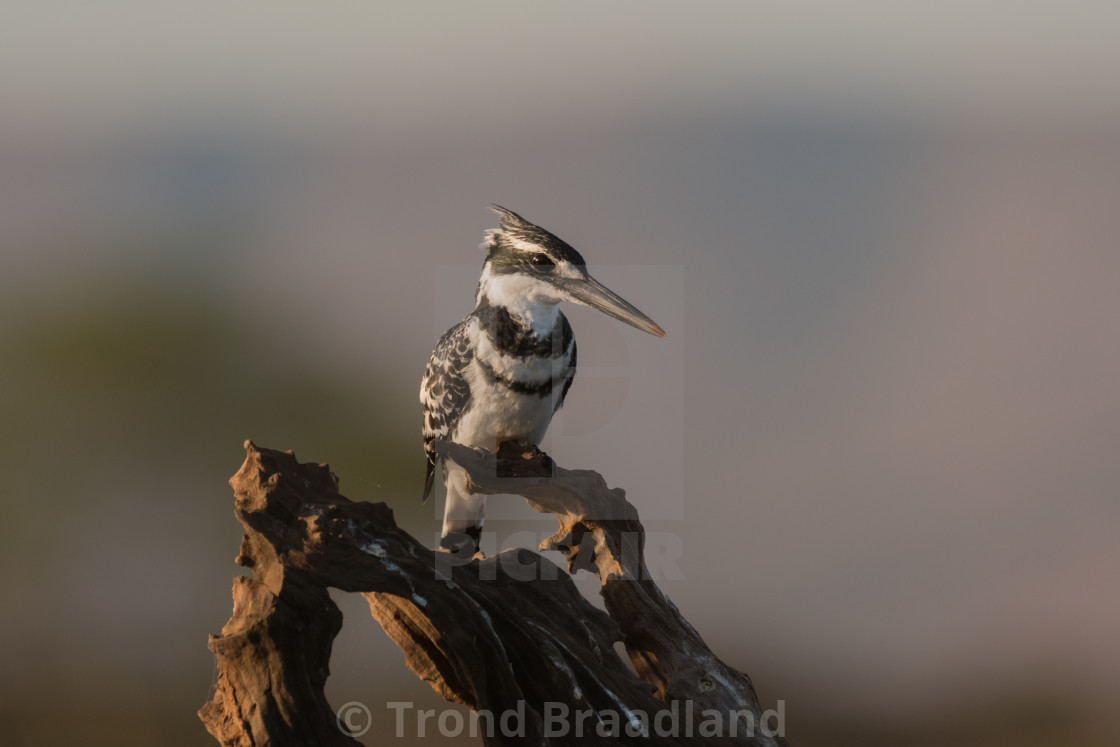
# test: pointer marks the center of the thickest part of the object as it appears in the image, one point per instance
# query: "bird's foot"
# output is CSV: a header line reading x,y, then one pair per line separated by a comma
x,y
516,459
465,543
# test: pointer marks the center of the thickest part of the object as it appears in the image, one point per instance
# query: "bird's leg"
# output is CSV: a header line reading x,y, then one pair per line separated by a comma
x,y
463,514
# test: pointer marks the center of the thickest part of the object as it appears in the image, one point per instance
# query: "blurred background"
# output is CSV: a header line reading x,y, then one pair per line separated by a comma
x,y
878,448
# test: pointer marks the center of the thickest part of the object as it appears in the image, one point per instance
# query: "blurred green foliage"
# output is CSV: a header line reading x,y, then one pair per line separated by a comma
x,y
147,376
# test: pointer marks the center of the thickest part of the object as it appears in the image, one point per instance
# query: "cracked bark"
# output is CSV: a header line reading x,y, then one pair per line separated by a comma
x,y
501,633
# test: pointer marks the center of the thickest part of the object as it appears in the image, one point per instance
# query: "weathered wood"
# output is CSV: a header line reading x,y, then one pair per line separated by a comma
x,y
507,633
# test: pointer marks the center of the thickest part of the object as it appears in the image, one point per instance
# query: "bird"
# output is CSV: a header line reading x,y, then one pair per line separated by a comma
x,y
505,370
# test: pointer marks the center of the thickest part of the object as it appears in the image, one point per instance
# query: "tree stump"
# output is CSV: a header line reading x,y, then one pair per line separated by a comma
x,y
509,636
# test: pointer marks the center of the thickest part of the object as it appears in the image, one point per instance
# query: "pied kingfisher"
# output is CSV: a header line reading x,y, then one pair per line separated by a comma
x,y
501,373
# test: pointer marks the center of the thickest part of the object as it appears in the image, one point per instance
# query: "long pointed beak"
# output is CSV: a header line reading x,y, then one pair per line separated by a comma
x,y
590,292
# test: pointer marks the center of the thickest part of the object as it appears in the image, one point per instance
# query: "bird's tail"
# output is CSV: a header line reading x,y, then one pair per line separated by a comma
x,y
463,515
429,479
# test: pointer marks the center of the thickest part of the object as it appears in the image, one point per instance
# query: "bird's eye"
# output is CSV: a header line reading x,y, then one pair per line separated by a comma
x,y
542,261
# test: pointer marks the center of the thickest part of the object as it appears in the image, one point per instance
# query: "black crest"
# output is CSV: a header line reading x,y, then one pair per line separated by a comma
x,y
502,242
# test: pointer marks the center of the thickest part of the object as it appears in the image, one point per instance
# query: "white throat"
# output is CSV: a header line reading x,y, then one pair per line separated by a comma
x,y
529,300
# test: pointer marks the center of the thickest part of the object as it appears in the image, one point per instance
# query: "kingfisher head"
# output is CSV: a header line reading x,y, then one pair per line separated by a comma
x,y
527,268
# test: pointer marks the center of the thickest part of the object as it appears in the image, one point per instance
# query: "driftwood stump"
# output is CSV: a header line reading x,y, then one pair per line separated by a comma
x,y
509,636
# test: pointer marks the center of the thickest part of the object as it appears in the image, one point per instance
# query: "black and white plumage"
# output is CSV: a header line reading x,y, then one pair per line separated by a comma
x,y
502,372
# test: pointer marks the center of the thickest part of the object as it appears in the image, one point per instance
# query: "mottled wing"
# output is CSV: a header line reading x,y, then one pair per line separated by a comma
x,y
444,392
